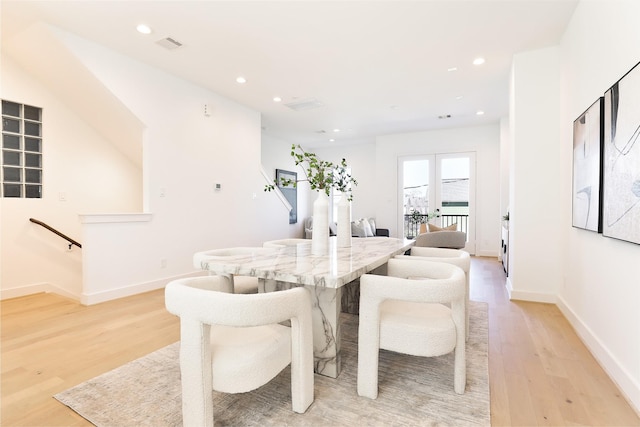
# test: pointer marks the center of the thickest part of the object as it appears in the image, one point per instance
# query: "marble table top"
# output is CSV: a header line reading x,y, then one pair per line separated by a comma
x,y
296,264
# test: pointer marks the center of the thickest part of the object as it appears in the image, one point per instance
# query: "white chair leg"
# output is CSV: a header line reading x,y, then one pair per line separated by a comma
x,y
302,380
368,353
195,370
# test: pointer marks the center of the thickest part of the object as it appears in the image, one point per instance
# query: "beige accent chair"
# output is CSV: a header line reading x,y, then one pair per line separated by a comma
x,y
405,312
442,239
234,343
452,256
234,283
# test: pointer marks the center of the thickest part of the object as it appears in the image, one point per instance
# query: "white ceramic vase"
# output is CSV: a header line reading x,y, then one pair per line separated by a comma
x,y
344,222
320,235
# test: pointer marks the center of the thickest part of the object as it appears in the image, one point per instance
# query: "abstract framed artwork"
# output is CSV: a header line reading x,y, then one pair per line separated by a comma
x,y
587,168
621,173
290,192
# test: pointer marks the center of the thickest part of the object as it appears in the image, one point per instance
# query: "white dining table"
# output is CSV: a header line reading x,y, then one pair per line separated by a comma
x,y
324,276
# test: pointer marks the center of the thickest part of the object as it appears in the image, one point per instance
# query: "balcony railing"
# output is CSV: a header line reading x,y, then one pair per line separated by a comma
x,y
412,229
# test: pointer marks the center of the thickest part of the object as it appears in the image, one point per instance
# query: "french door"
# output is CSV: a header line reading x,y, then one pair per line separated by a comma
x,y
437,184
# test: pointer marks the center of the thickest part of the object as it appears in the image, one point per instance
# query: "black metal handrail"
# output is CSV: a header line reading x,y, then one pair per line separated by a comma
x,y
412,229
53,230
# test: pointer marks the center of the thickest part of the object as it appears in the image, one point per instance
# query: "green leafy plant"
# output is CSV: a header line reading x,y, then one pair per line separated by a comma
x,y
343,181
320,174
417,217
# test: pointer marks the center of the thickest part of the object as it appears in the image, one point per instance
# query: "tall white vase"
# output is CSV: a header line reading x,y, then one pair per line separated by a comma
x,y
344,222
320,235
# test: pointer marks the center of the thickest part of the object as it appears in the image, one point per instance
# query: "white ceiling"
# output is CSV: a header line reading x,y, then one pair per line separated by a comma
x,y
377,67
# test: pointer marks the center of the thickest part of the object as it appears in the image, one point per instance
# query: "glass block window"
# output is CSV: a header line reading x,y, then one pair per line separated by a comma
x,y
21,172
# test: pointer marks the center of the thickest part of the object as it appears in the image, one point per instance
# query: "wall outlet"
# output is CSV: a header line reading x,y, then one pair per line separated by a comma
x,y
163,263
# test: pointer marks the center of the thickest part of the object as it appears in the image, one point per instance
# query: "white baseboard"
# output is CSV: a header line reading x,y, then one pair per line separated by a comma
x,y
35,288
531,296
629,387
125,291
488,254
95,298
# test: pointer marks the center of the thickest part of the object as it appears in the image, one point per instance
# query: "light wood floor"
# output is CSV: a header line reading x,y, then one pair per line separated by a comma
x,y
540,372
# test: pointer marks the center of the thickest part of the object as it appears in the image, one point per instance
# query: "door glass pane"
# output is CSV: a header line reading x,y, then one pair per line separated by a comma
x,y
415,193
454,192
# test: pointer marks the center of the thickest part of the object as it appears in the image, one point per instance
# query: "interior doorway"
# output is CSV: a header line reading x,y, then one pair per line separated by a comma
x,y
437,184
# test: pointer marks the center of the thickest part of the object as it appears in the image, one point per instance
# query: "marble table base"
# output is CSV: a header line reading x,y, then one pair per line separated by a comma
x,y
351,297
351,292
325,312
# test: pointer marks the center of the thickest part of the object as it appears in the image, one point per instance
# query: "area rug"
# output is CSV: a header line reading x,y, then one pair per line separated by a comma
x,y
414,391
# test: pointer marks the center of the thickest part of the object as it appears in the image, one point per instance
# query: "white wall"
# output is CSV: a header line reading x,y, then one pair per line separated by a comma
x,y
601,290
78,163
483,140
185,154
537,220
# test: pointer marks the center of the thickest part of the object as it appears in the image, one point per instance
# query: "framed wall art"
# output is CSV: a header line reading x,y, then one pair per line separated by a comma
x,y
290,192
587,168
621,151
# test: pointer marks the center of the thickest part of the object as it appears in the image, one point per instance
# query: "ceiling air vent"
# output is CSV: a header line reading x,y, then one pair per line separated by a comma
x,y
169,43
307,104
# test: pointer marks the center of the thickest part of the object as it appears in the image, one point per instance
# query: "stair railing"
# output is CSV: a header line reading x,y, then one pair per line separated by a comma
x,y
53,230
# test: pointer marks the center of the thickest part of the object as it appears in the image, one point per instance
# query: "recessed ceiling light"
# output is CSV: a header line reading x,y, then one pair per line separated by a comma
x,y
394,107
452,69
332,140
478,61
241,80
459,97
143,29
277,99
479,113
336,130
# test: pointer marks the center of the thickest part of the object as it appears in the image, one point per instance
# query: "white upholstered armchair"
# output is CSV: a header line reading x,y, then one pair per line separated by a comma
x,y
233,343
451,256
405,312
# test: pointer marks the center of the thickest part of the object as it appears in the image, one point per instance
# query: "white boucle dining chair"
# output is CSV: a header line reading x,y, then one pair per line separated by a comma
x,y
405,312
451,256
236,284
234,343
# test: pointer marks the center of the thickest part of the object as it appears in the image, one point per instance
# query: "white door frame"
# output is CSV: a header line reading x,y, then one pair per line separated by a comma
x,y
435,174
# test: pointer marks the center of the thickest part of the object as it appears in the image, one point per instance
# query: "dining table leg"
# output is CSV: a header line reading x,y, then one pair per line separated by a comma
x,y
325,313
